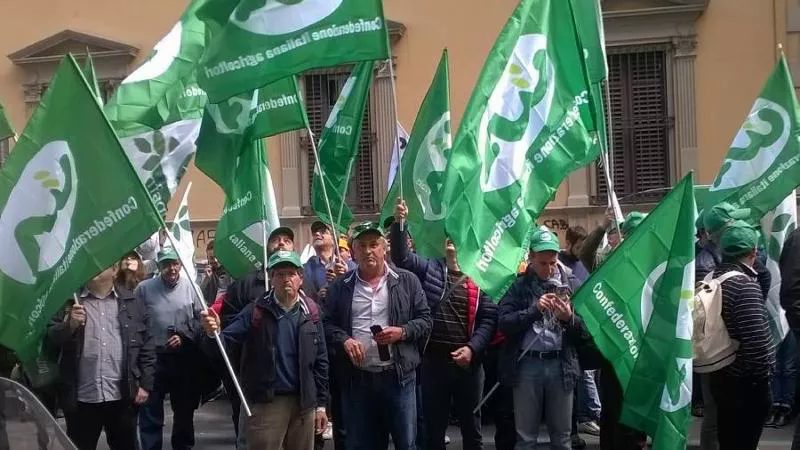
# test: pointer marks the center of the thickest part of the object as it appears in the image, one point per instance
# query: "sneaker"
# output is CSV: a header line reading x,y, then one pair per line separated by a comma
x,y
577,442
328,433
446,439
770,420
590,427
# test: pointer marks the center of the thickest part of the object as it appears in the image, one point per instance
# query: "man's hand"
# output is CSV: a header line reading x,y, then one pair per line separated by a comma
x,y
400,210
141,397
462,356
610,218
320,420
340,268
355,351
174,342
562,310
322,293
389,335
209,320
546,302
77,317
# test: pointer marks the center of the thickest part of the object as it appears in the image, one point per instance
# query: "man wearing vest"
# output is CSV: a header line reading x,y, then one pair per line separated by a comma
x,y
378,364
741,390
539,357
284,363
464,322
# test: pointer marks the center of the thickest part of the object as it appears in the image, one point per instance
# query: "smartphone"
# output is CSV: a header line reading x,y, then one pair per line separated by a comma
x,y
563,292
383,350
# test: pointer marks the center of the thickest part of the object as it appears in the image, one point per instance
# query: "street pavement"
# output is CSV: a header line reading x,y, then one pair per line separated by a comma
x,y
214,431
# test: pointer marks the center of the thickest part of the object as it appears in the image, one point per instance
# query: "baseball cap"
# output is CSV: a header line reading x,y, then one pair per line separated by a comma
x,y
632,220
343,243
544,240
284,257
366,227
738,238
720,215
281,231
168,254
318,225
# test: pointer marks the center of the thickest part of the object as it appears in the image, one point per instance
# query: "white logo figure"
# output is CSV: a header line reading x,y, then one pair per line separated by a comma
x,y
276,17
430,166
166,51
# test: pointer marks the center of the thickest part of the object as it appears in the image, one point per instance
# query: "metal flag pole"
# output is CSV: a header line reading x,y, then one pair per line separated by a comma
x,y
263,179
396,131
324,191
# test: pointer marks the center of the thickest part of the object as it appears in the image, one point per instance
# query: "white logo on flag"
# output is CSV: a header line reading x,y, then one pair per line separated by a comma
x,y
429,168
166,51
276,17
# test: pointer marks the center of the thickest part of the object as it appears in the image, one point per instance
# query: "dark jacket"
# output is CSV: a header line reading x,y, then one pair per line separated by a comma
x,y
790,279
407,309
255,329
588,250
518,312
432,274
241,293
138,350
575,265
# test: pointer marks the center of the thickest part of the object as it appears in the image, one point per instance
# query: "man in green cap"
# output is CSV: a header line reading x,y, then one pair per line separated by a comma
x,y
376,321
741,390
539,358
284,364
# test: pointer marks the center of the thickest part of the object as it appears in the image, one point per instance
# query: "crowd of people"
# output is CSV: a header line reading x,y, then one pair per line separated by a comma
x,y
368,342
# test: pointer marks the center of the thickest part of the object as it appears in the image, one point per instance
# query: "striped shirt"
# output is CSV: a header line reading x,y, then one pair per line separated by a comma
x,y
745,316
450,320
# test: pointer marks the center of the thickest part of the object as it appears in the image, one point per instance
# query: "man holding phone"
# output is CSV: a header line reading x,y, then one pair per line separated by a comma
x,y
539,358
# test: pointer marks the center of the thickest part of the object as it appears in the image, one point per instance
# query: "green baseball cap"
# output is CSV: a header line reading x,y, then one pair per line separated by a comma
x,y
544,240
366,227
718,216
738,238
284,257
168,254
632,220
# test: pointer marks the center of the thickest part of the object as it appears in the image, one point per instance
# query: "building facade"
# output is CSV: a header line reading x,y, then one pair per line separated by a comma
x,y
683,74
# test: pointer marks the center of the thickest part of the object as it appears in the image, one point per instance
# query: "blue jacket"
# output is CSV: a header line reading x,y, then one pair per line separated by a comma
x,y
407,309
518,312
432,274
255,328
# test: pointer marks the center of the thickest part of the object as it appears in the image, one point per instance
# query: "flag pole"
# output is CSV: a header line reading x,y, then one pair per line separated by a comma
x,y
607,161
396,131
324,191
217,337
263,178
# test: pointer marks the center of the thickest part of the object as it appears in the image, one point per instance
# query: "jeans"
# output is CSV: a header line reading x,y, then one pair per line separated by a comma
x,y
783,379
540,386
588,398
280,425
445,384
174,376
742,406
377,405
708,428
117,418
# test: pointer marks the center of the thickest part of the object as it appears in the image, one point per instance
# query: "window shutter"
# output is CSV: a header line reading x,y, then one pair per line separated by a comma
x,y
638,112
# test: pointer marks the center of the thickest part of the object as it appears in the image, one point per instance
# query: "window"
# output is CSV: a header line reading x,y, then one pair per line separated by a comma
x,y
638,112
321,92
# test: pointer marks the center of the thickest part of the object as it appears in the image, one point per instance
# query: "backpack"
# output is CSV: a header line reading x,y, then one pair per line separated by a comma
x,y
713,347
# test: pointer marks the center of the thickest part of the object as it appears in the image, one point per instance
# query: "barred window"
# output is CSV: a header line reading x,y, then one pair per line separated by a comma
x,y
638,111
321,92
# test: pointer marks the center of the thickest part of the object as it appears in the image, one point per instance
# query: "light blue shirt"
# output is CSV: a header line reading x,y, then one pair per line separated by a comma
x,y
545,334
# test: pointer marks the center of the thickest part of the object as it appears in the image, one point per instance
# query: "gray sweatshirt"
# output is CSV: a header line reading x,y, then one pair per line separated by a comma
x,y
168,307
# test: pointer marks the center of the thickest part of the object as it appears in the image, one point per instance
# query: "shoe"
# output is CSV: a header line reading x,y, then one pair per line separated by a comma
x,y
591,428
770,420
577,442
781,419
446,439
328,433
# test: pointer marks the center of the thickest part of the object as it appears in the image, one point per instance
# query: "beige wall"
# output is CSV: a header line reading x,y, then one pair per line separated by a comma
x,y
735,51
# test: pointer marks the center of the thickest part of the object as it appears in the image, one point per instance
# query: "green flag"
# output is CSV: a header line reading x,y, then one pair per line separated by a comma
x,y
6,130
181,231
761,167
91,77
424,161
70,206
266,40
636,307
156,111
249,215
523,132
338,148
776,226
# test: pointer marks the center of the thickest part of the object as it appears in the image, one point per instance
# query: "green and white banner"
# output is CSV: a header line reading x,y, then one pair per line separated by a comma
x,y
527,125
424,162
6,130
263,41
70,206
637,309
776,226
181,231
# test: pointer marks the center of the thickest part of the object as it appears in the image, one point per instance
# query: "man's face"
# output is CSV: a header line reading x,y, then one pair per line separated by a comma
x,y
613,239
170,270
544,263
212,259
286,279
345,254
323,238
280,242
369,250
105,276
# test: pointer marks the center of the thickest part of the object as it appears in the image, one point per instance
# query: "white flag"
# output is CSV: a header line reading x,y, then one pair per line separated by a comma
x,y
182,233
776,226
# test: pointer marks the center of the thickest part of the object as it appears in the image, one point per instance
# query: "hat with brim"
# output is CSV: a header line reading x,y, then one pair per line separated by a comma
x,y
632,220
167,254
343,243
366,228
716,218
738,238
284,257
285,231
318,225
544,241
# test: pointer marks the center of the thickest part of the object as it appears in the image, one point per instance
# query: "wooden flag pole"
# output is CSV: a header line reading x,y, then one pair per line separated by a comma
x,y
264,219
396,131
324,192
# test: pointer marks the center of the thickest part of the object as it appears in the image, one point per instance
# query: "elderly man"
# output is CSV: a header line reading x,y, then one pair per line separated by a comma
x,y
376,318
539,358
284,371
106,366
323,267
